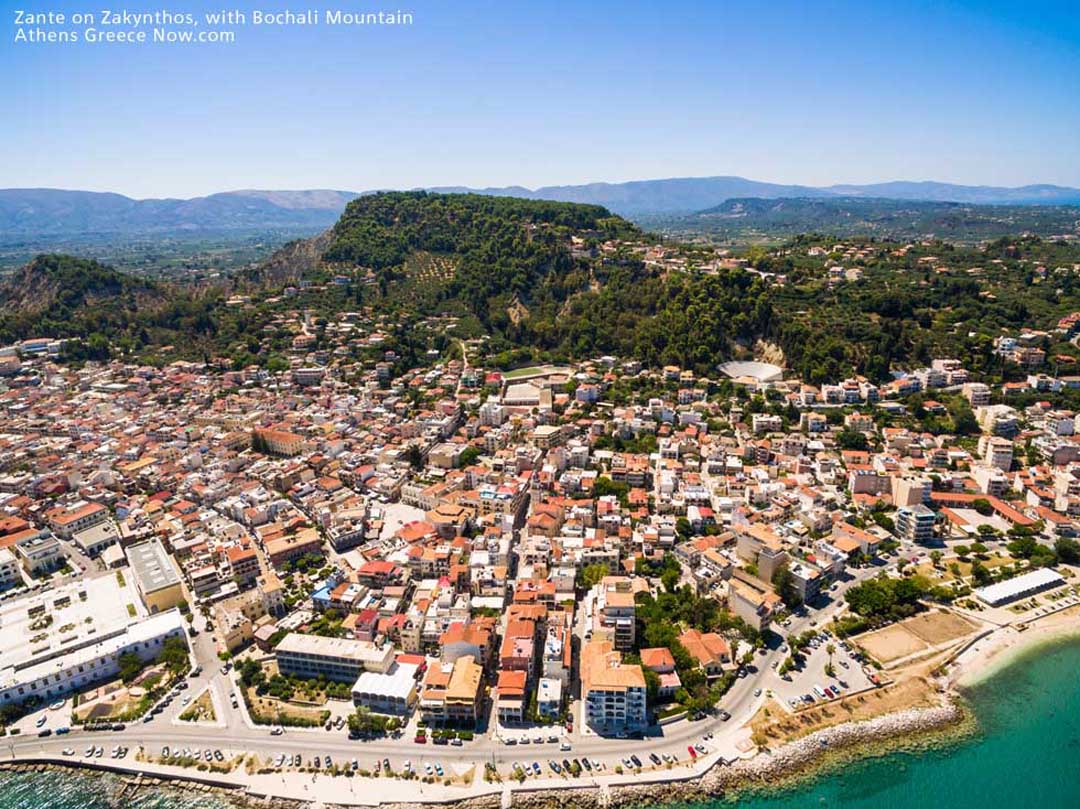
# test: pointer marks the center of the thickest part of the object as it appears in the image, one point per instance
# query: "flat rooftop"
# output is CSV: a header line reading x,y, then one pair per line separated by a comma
x,y
78,610
152,566
1028,583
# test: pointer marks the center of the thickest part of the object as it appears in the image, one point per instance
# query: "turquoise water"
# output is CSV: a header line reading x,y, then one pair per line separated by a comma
x,y
1027,755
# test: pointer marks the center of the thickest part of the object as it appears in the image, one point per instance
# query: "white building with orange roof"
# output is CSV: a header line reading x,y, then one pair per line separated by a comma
x,y
613,693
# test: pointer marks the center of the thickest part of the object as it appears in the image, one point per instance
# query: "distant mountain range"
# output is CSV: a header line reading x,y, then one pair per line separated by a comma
x,y
749,219
690,194
36,213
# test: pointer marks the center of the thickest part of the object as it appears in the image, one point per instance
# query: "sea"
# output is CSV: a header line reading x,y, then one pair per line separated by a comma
x,y
1026,754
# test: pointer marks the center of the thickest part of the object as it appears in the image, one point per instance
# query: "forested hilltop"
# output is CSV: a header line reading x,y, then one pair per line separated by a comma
x,y
556,281
561,279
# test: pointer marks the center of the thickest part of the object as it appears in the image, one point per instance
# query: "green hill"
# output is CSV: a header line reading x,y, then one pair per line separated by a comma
x,y
64,296
543,276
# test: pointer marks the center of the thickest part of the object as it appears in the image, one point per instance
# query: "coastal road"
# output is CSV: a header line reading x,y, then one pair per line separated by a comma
x,y
236,736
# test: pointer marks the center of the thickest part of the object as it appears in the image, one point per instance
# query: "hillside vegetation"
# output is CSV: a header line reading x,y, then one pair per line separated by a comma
x,y
98,307
550,282
747,220
517,272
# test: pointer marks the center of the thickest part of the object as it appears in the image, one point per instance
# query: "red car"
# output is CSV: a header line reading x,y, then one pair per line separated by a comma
x,y
690,749
420,739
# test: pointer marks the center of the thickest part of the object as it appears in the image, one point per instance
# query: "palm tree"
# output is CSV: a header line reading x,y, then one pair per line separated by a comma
x,y
830,650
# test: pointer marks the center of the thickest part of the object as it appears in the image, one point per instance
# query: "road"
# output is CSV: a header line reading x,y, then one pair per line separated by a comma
x,y
234,734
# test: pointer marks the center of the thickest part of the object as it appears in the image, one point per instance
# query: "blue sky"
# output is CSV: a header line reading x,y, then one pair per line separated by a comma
x,y
538,93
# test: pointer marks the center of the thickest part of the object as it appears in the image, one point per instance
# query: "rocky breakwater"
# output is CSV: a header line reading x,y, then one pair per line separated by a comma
x,y
767,769
799,758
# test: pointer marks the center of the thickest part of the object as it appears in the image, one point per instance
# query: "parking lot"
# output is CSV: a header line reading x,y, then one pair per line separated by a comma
x,y
849,675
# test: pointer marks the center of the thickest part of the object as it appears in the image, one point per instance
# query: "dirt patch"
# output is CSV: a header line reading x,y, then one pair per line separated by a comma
x,y
939,627
201,710
269,710
772,725
921,633
891,643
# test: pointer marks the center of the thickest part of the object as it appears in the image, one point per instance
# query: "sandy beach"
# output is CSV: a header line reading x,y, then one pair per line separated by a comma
x,y
1002,646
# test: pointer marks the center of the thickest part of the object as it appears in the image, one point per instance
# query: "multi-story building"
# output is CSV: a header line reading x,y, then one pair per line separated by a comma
x,y
977,394
39,553
915,523
338,659
752,600
613,694
9,569
452,693
66,521
391,692
997,452
909,490
280,442
79,631
155,576
616,611
243,565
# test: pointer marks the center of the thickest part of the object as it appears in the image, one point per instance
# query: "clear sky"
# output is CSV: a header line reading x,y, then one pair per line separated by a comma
x,y
550,92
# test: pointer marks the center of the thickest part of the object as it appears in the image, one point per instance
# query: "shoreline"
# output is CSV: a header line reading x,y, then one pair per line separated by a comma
x,y
787,766
1006,645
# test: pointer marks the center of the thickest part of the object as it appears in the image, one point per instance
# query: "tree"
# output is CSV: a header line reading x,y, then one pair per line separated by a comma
x,y
670,579
851,440
652,685
1068,550
468,456
935,558
883,598
414,457
131,666
982,506
592,575
783,581
363,721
